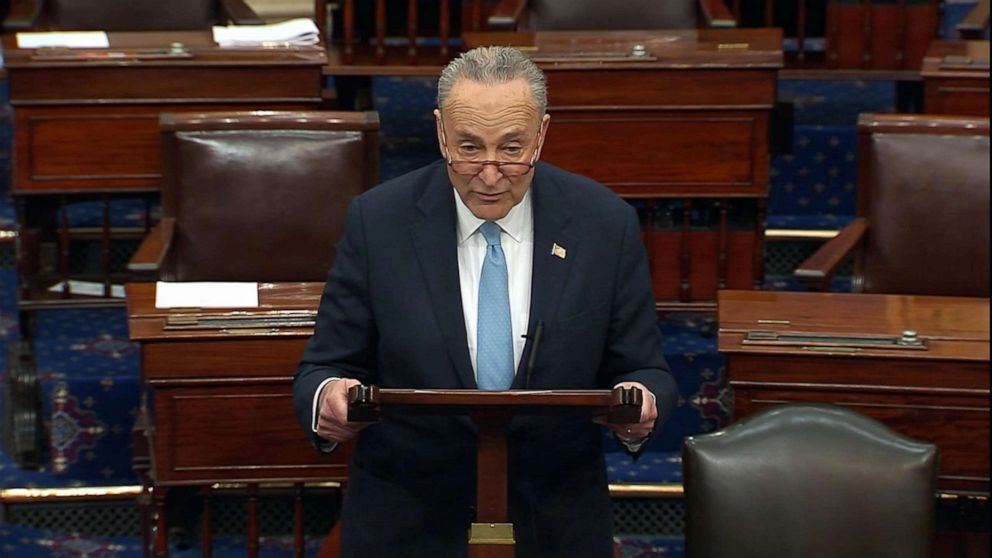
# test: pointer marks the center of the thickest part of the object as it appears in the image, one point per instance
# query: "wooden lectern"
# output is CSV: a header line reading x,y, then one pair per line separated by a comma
x,y
491,536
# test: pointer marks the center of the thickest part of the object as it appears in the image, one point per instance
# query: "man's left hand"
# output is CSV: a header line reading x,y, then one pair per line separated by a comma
x,y
649,414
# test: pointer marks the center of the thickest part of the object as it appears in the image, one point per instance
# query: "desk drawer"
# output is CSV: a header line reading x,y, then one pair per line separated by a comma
x,y
232,359
94,148
663,153
720,88
259,83
234,433
957,96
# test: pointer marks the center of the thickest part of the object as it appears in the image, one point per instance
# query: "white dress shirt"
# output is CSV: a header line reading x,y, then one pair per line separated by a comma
x,y
517,239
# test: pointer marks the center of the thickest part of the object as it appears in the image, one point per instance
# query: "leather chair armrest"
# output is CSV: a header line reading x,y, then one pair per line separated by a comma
x,y
506,15
815,272
240,13
973,25
154,249
715,14
23,14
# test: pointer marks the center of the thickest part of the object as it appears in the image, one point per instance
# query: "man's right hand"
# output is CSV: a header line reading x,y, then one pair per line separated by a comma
x,y
332,418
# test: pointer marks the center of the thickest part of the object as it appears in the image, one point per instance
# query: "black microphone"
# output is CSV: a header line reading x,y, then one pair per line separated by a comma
x,y
536,340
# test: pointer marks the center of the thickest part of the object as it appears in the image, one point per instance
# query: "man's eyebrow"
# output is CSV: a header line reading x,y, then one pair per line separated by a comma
x,y
508,136
462,135
516,133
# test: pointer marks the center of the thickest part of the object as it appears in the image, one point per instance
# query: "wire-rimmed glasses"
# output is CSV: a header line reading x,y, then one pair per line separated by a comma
x,y
510,169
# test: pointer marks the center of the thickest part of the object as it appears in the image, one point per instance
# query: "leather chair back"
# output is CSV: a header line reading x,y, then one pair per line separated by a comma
x,y
132,15
809,480
924,188
581,15
262,196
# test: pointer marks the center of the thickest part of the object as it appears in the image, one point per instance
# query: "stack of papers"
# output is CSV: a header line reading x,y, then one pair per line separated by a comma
x,y
71,39
294,32
203,294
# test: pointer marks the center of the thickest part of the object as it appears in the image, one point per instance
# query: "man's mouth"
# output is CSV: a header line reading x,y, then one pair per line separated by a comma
x,y
490,196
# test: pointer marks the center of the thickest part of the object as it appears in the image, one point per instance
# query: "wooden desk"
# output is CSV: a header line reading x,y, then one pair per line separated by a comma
x,y
956,78
218,397
86,127
687,119
87,120
940,393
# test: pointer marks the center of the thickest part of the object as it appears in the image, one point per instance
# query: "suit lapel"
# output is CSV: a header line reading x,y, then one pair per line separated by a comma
x,y
552,227
435,241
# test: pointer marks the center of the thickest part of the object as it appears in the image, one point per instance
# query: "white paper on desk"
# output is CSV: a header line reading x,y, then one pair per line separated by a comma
x,y
169,294
71,39
293,32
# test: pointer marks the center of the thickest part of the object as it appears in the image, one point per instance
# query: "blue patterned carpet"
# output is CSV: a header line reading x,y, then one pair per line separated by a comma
x,y
89,376
25,542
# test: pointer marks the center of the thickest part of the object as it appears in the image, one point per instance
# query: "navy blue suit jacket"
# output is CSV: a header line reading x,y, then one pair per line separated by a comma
x,y
391,315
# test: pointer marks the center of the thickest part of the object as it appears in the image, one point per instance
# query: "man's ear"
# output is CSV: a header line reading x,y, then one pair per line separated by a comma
x,y
440,133
544,130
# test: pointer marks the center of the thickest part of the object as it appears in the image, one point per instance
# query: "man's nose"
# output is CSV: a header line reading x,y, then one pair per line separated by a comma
x,y
490,174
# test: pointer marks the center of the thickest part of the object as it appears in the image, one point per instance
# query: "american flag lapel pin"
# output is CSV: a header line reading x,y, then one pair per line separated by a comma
x,y
557,251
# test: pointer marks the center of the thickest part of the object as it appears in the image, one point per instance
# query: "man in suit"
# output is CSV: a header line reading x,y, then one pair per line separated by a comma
x,y
446,278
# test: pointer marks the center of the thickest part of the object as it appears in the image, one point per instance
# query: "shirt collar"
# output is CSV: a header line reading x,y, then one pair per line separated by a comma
x,y
518,220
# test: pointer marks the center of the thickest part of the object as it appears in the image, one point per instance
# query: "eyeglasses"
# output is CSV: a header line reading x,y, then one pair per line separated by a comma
x,y
508,168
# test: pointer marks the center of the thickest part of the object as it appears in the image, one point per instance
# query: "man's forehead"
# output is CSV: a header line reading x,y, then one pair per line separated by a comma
x,y
506,134
467,94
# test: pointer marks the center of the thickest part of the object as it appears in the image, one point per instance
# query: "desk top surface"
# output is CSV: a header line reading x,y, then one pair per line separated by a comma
x,y
969,59
150,48
284,310
675,49
953,327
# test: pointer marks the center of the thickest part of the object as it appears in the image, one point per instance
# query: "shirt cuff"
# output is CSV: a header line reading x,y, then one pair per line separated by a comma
x,y
316,402
326,446
634,446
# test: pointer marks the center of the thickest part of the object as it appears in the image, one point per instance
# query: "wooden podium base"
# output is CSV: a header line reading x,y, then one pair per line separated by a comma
x,y
491,535
491,540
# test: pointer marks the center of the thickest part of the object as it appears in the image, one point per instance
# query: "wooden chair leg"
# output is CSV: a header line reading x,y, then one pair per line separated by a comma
x,y
331,547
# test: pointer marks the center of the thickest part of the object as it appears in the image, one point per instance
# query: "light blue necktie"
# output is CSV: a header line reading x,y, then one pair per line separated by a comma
x,y
494,357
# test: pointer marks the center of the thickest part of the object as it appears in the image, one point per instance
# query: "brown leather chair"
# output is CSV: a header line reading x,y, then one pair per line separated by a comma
x,y
809,480
127,15
256,196
585,15
923,209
